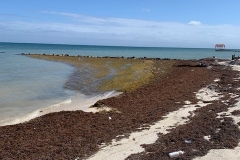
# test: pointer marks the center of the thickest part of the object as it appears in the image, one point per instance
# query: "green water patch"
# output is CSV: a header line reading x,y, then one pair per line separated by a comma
x,y
93,75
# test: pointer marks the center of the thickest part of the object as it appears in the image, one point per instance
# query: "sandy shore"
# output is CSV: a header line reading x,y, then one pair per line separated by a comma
x,y
194,109
79,102
233,112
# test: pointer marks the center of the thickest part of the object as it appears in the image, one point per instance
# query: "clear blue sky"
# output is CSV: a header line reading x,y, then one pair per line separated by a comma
x,y
164,23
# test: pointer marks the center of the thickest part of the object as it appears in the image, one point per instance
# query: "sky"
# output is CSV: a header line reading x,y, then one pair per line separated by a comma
x,y
149,23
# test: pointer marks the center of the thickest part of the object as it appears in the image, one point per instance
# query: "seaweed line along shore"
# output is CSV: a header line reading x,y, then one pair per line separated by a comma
x,y
176,109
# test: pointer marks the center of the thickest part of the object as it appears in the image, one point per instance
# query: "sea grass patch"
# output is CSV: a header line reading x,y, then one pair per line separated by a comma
x,y
103,74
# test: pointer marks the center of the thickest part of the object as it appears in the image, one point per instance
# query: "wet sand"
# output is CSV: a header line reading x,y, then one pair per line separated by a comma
x,y
172,106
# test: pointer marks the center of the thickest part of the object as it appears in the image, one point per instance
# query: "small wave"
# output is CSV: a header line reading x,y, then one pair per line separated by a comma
x,y
17,120
106,95
32,115
57,105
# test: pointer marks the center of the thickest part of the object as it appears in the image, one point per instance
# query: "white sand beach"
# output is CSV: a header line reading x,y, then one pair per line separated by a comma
x,y
120,150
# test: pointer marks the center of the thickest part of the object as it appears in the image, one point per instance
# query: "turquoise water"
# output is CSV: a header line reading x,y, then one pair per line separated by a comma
x,y
158,52
27,84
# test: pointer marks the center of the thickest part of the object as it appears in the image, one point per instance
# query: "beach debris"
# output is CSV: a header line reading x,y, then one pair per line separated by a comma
x,y
217,80
217,130
188,141
187,102
175,154
207,138
109,118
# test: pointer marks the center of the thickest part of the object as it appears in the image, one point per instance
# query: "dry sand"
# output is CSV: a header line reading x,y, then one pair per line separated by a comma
x,y
120,150
226,154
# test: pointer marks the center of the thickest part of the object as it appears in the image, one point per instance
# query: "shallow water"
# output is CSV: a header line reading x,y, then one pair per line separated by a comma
x,y
27,84
78,101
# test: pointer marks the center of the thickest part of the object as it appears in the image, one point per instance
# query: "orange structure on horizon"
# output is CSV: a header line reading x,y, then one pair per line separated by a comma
x,y
219,46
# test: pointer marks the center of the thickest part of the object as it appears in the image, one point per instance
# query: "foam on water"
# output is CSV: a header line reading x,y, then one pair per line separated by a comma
x,y
79,102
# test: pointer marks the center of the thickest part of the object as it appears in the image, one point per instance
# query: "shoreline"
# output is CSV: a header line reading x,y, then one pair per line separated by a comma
x,y
133,111
78,102
83,77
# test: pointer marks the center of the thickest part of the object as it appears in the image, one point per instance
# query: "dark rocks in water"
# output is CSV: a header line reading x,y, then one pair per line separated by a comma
x,y
131,57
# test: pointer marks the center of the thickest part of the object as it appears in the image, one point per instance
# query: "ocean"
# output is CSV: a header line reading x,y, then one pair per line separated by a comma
x,y
28,85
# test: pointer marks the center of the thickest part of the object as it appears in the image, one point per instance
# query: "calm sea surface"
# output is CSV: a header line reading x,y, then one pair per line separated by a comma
x,y
27,84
